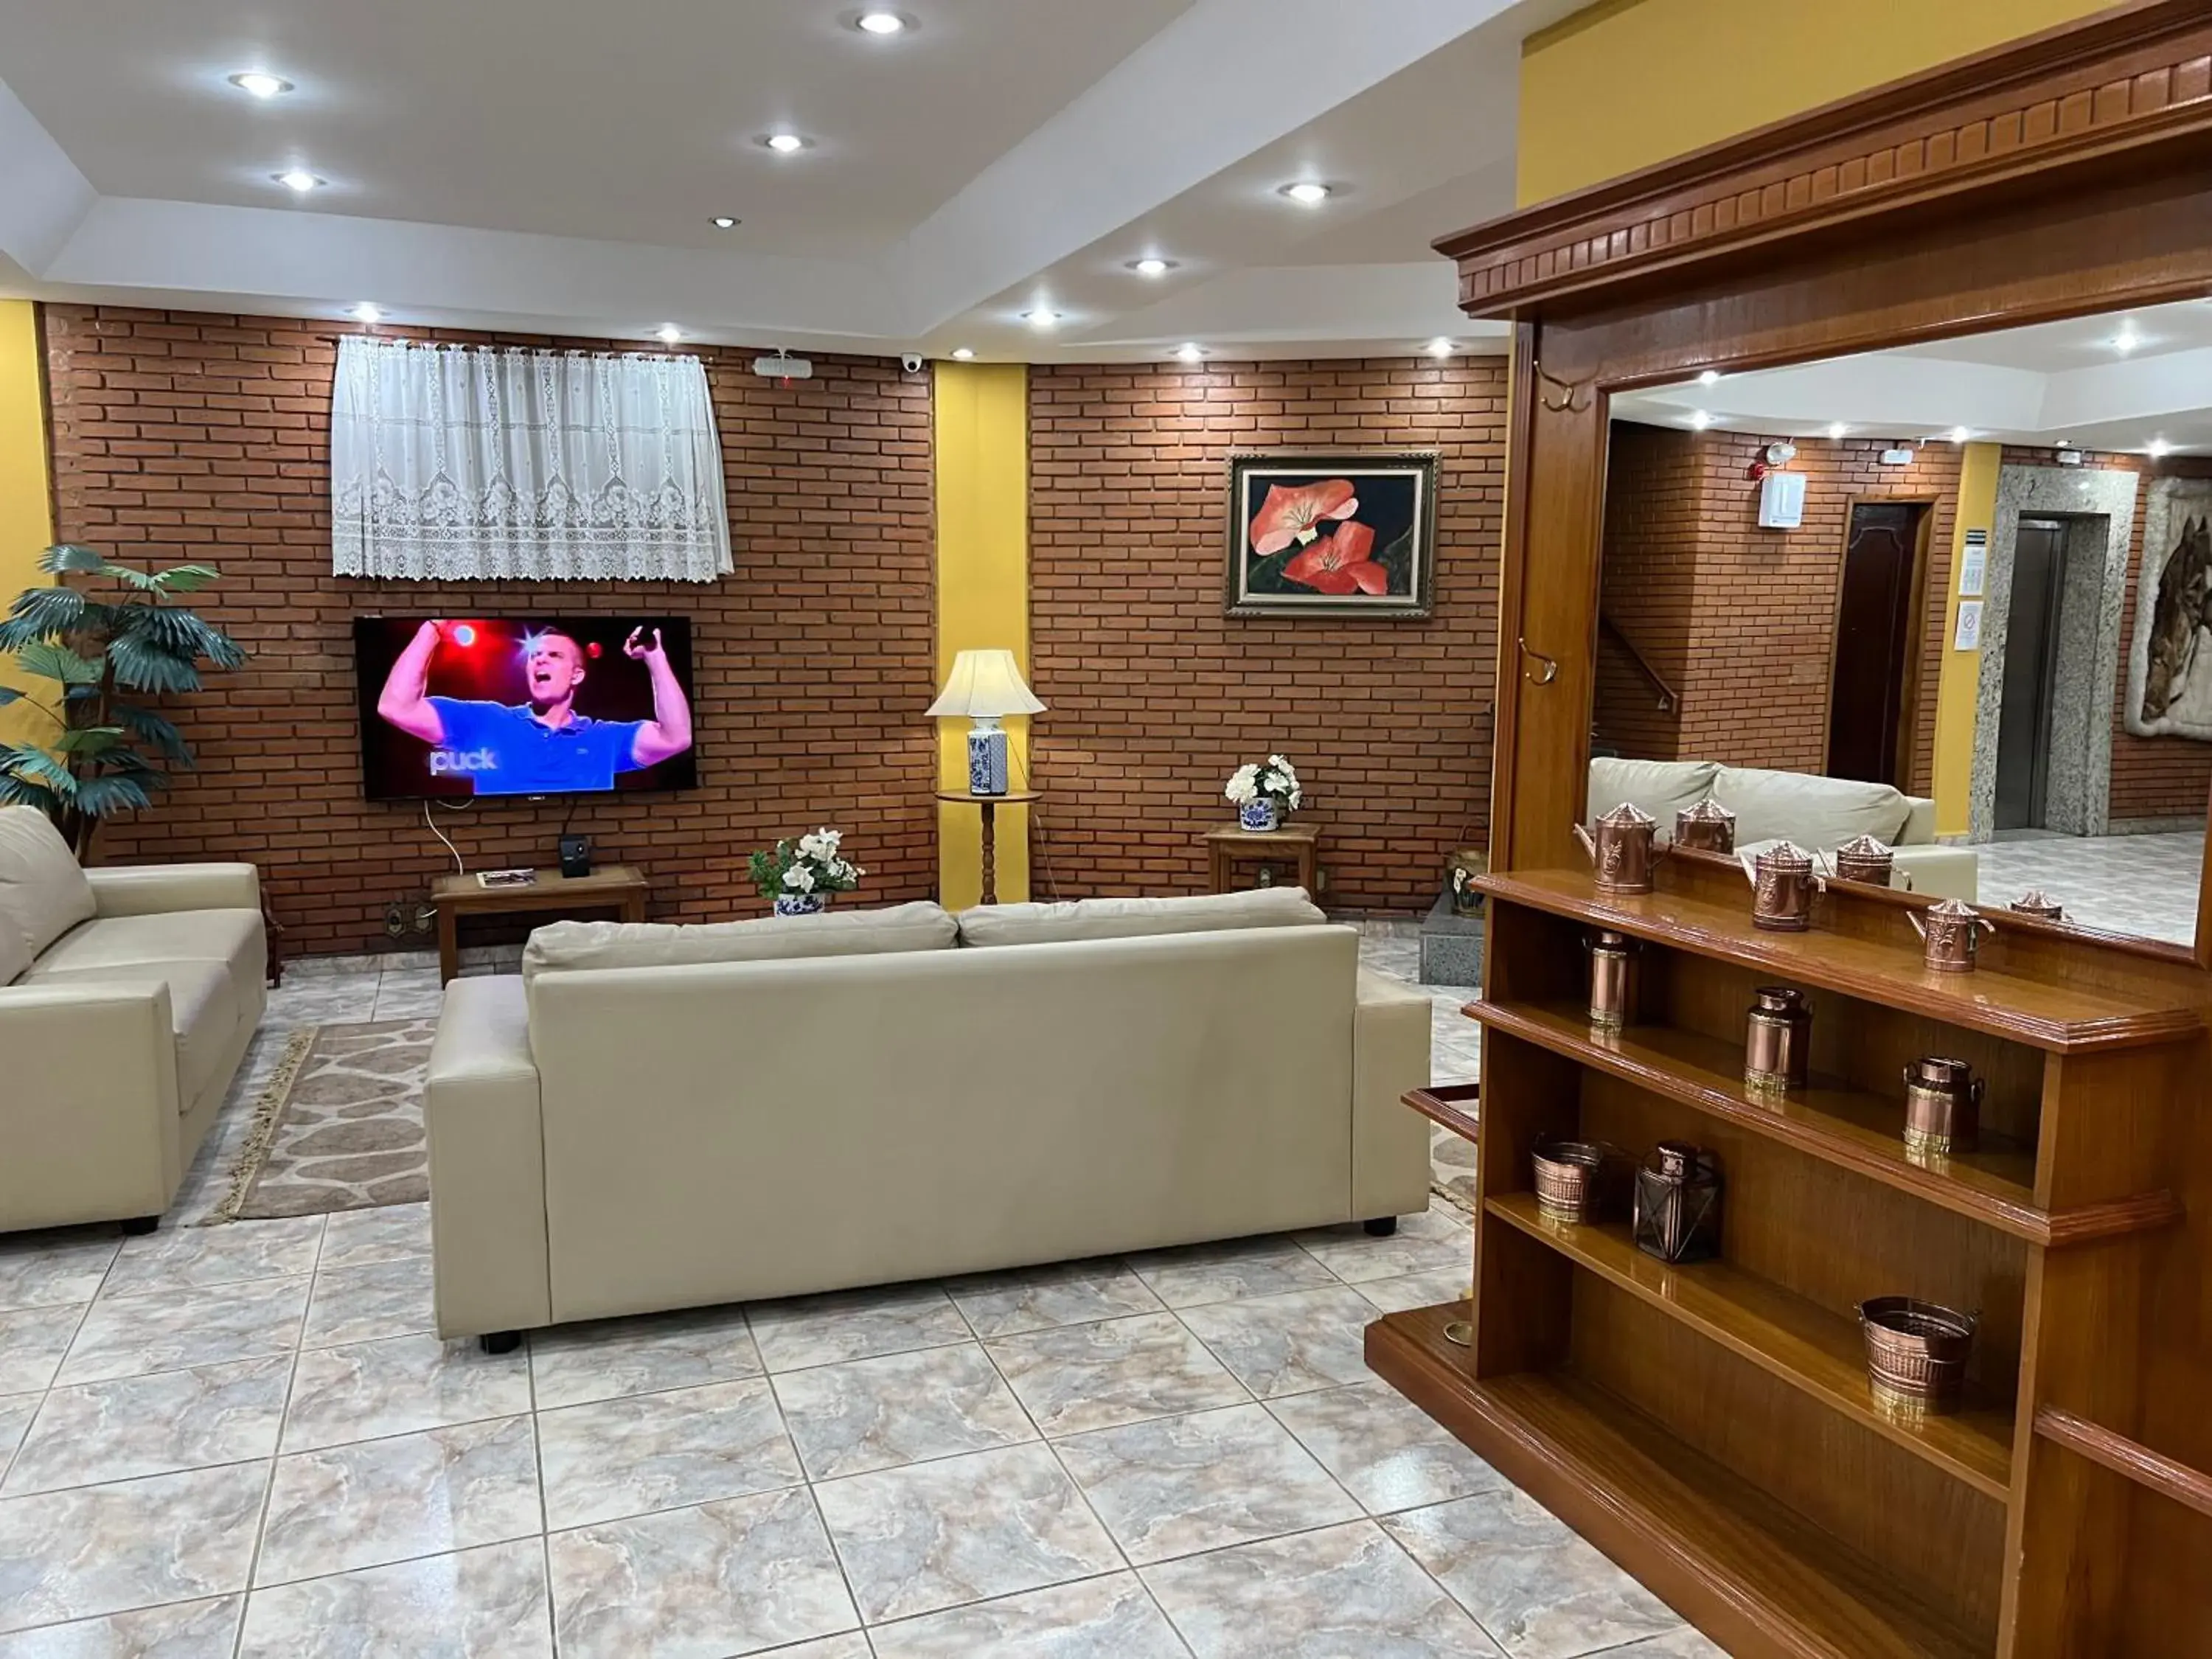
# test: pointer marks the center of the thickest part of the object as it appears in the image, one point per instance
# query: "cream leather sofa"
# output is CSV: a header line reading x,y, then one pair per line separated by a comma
x,y
127,1000
1819,814
660,1130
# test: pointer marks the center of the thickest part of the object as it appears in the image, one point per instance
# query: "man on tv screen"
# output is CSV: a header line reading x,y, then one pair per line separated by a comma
x,y
544,745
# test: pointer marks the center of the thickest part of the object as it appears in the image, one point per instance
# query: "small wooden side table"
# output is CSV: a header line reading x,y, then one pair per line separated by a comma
x,y
1225,843
619,887
990,803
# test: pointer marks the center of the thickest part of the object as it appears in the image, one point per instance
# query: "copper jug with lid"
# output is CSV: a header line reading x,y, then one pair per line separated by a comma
x,y
1624,854
2037,902
1950,933
1613,980
1708,826
1782,887
1778,1041
1867,859
1943,1106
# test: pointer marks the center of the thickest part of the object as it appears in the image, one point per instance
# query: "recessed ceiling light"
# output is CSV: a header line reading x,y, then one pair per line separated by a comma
x,y
1151,265
1700,419
1190,353
668,333
964,354
1440,347
1307,193
1837,430
260,84
1959,435
882,22
2156,447
1041,318
2126,340
723,221
2063,443
1708,377
786,143
368,311
298,179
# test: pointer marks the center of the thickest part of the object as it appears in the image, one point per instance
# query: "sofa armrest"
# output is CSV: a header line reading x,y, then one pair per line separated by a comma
x,y
145,890
89,1115
1943,872
480,1106
1390,1161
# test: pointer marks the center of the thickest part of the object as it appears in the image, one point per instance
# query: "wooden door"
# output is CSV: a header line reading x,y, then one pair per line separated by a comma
x,y
1874,669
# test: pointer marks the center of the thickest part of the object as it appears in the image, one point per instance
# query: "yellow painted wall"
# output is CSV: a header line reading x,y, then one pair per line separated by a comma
x,y
1626,83
1959,690
26,523
981,455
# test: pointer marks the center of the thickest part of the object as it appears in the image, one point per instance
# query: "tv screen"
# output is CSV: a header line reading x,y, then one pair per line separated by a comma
x,y
492,706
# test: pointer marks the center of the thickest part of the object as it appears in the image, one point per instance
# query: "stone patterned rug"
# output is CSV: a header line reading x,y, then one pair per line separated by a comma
x,y
339,1126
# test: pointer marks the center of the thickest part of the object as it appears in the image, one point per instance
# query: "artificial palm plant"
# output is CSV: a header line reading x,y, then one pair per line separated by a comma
x,y
109,751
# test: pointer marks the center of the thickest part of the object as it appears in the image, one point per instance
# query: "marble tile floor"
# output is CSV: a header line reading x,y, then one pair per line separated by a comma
x,y
246,1440
2142,884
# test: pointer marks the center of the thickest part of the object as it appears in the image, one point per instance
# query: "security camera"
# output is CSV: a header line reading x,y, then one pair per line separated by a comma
x,y
911,362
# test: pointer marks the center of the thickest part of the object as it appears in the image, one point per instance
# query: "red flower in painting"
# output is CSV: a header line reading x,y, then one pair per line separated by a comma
x,y
1294,516
1339,563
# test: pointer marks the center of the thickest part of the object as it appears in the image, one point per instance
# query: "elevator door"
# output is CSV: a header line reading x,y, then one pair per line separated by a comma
x,y
2039,577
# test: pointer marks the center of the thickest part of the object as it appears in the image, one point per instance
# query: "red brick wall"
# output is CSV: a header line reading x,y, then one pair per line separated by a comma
x,y
179,435
1742,620
1155,696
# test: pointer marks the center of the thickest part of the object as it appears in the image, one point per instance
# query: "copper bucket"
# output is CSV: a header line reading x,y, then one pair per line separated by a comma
x,y
1576,1180
1624,854
1917,1351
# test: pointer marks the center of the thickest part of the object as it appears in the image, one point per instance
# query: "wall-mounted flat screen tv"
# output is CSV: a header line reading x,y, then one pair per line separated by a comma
x,y
492,706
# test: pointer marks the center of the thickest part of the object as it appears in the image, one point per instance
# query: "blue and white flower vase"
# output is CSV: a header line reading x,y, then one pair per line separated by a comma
x,y
801,904
1263,812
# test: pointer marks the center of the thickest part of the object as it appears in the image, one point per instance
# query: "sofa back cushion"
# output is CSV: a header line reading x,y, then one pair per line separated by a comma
x,y
1818,813
575,944
1136,918
1662,788
43,893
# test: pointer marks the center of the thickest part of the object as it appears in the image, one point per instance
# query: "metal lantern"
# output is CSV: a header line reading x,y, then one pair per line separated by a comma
x,y
1678,1203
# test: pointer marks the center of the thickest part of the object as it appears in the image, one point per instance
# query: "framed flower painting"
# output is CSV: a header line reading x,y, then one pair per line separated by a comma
x,y
1347,533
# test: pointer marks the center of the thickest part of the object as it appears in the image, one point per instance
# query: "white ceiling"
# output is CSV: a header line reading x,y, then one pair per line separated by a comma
x,y
499,163
2054,382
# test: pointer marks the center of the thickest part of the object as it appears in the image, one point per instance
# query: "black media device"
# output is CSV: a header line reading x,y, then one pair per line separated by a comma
x,y
575,855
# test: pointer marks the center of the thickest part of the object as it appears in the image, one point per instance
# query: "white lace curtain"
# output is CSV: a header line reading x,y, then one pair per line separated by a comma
x,y
457,463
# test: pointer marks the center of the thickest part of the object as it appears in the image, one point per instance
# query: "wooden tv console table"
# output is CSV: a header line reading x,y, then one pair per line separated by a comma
x,y
618,887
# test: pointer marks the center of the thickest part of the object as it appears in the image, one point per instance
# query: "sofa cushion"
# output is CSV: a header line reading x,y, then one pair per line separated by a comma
x,y
234,939
1818,813
43,893
203,1012
1136,918
1662,788
571,944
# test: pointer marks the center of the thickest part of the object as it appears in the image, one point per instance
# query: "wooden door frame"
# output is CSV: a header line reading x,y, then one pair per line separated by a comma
x,y
1922,549
2065,175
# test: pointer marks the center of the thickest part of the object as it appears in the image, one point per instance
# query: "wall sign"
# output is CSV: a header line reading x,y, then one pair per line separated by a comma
x,y
1974,564
1969,636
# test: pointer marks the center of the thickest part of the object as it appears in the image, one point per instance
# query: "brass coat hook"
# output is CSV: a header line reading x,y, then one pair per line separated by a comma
x,y
1550,667
1567,389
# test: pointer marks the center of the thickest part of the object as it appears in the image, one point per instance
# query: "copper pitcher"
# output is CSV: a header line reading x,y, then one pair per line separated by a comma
x,y
1950,933
1943,1106
1709,826
1865,858
2037,902
1624,854
1782,887
1778,1041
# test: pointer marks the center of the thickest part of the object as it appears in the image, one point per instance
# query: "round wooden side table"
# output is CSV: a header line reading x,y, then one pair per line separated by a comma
x,y
990,803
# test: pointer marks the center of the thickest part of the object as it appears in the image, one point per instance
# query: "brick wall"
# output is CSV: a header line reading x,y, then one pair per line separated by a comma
x,y
1742,620
1155,696
180,435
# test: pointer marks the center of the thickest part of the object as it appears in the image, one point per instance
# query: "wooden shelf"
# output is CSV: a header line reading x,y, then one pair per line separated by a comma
x,y
1754,1576
1850,1127
2153,1471
2058,1018
1455,1105
1816,1351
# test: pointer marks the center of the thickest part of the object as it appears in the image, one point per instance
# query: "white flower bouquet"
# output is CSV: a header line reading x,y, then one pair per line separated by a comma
x,y
801,874
1264,793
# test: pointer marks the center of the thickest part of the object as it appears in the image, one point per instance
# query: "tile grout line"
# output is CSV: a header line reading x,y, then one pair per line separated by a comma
x,y
545,1515
275,1456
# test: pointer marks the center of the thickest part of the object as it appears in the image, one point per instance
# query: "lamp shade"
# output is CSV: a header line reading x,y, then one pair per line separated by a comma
x,y
985,684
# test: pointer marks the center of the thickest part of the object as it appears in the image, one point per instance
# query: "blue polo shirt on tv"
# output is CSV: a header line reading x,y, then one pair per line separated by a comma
x,y
503,750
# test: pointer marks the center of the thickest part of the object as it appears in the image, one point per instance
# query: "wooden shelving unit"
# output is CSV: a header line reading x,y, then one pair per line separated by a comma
x,y
1712,1424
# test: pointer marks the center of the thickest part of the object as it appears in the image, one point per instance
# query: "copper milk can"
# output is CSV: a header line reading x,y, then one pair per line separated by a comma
x,y
2037,902
1950,933
1864,858
1943,1106
1708,825
1778,1041
1782,885
1624,855
1613,981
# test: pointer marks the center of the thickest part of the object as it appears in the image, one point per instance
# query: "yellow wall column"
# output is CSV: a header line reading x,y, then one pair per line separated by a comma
x,y
26,522
1958,695
1626,83
982,475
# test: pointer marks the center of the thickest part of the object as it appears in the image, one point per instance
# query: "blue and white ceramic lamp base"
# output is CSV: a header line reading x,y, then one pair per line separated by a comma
x,y
986,762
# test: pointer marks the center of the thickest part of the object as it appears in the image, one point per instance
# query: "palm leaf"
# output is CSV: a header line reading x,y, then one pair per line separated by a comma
x,y
66,558
142,665
142,581
43,613
156,734
185,577
22,792
183,635
37,766
90,740
57,662
99,797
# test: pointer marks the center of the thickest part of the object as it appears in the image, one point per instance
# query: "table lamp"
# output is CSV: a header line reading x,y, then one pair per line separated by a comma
x,y
985,686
